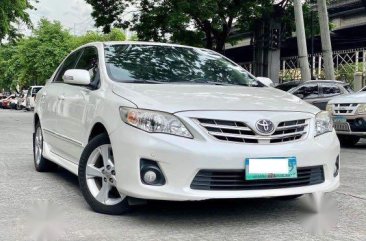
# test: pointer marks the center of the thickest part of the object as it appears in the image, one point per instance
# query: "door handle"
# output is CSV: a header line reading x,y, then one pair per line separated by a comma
x,y
61,97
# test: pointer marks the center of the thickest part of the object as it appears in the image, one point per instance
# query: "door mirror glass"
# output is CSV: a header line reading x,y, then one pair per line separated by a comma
x,y
77,77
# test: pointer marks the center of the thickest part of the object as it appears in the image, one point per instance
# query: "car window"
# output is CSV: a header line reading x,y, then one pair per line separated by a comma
x,y
69,63
35,90
89,61
329,90
172,64
308,91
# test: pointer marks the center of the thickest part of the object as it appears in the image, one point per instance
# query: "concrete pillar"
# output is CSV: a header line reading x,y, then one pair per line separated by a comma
x,y
274,65
358,81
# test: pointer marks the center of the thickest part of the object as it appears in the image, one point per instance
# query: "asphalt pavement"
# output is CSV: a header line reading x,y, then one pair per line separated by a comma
x,y
49,206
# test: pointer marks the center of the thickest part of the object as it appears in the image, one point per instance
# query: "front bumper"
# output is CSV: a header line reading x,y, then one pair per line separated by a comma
x,y
355,126
180,159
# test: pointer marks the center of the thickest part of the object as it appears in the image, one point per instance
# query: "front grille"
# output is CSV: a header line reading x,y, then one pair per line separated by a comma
x,y
236,131
345,109
222,180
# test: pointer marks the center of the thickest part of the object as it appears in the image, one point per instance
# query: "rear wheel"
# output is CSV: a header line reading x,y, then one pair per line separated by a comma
x,y
97,178
348,141
40,163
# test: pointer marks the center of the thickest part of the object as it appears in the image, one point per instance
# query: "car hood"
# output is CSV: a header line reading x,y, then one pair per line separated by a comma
x,y
359,97
180,97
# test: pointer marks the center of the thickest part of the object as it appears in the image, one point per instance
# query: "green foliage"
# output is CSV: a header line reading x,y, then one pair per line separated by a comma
x,y
13,12
205,23
33,60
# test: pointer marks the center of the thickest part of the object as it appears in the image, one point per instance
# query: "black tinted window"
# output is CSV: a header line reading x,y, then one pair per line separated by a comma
x,y
69,63
308,91
89,61
330,90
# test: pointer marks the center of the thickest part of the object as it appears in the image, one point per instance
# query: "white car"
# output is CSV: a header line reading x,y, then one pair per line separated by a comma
x,y
139,120
31,95
349,116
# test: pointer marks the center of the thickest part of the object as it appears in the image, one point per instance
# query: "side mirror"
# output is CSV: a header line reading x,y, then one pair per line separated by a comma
x,y
77,77
266,81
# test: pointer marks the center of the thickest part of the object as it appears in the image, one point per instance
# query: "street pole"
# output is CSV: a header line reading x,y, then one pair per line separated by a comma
x,y
326,43
301,41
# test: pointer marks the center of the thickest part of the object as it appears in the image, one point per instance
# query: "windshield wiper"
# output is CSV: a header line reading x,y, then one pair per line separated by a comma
x,y
202,81
145,81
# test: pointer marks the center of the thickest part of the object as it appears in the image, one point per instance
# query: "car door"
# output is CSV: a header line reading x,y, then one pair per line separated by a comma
x,y
308,92
328,91
50,98
74,106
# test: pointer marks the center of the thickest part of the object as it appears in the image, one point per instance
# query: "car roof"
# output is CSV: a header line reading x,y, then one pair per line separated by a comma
x,y
138,43
326,81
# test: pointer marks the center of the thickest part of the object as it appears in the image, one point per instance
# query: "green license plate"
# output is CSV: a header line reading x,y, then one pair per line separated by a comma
x,y
270,168
339,119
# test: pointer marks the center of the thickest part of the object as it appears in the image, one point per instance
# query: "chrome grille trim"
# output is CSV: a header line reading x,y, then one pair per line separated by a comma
x,y
240,132
345,109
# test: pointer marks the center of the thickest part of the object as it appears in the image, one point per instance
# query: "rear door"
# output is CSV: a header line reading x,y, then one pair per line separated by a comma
x,y
51,100
74,106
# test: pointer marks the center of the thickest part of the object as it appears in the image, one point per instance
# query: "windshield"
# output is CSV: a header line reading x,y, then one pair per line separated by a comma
x,y
349,89
171,64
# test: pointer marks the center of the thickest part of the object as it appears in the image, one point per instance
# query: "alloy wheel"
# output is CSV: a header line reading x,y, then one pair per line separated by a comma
x,y
101,176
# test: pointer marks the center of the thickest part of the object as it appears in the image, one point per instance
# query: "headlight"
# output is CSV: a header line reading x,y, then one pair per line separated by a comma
x,y
330,108
154,121
361,109
323,123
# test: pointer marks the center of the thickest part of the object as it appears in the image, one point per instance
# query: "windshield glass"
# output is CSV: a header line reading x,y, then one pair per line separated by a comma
x,y
349,89
170,64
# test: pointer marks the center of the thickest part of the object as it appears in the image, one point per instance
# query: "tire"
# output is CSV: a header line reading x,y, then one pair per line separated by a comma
x,y
41,164
97,178
348,141
288,198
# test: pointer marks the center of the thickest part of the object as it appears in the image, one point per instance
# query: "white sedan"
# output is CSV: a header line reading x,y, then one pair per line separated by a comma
x,y
141,120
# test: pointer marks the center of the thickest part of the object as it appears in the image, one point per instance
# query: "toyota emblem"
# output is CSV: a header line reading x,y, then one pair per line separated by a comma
x,y
265,127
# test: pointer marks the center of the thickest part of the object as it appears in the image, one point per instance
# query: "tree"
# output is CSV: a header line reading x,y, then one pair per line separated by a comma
x,y
33,60
13,12
205,23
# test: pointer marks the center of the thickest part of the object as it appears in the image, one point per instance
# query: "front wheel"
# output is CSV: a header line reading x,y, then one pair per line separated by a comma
x,y
97,178
348,141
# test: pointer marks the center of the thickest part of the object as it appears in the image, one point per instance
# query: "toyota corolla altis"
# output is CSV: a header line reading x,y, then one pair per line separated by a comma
x,y
141,120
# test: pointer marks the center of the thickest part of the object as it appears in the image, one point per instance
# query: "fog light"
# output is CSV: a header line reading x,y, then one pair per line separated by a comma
x,y
336,167
150,177
151,173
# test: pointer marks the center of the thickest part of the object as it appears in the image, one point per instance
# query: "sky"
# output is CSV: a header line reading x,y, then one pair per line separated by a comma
x,y
73,14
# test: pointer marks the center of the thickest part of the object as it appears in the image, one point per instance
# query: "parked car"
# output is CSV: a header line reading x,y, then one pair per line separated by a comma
x,y
2,97
13,103
288,85
319,92
349,116
139,120
5,103
31,95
